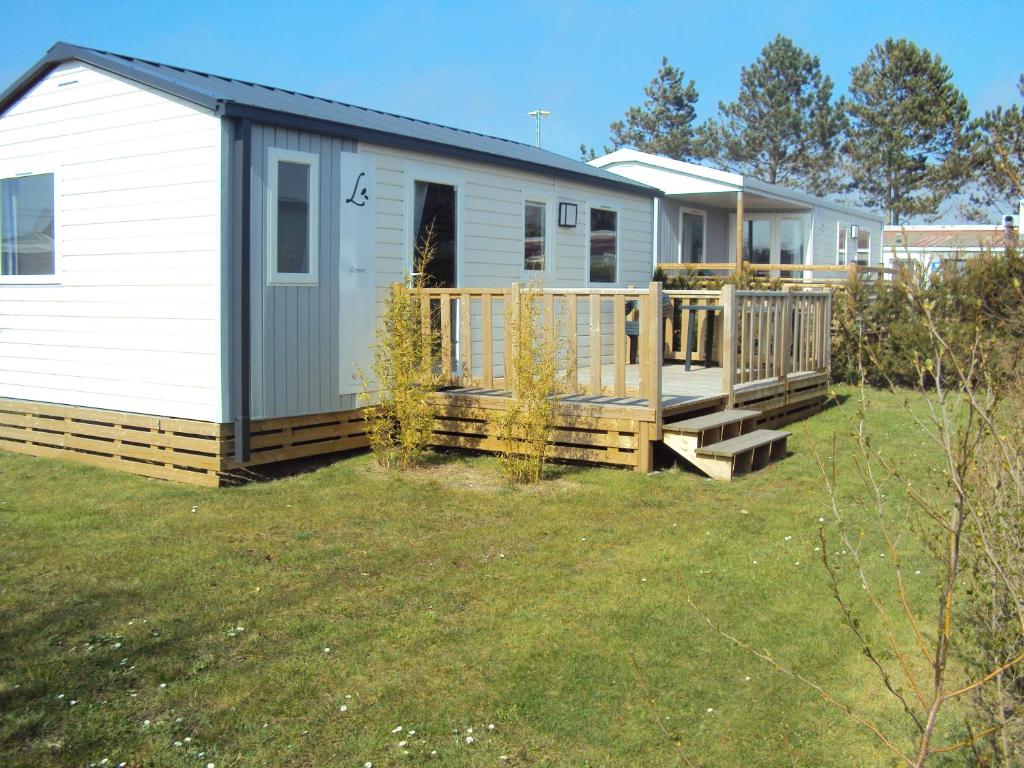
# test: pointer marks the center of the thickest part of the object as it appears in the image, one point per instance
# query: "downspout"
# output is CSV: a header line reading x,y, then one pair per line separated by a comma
x,y
654,249
242,215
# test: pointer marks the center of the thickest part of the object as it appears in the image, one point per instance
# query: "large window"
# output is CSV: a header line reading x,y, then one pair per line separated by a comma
x,y
604,237
434,225
841,245
791,241
692,237
864,246
27,226
534,240
757,241
293,217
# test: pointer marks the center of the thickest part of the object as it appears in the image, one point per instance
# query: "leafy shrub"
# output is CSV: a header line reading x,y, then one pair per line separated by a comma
x,y
879,330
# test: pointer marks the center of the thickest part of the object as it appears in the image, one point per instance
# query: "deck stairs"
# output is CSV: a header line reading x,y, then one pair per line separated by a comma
x,y
726,443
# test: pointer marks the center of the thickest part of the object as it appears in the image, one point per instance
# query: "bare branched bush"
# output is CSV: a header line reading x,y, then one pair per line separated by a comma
x,y
963,653
531,370
401,410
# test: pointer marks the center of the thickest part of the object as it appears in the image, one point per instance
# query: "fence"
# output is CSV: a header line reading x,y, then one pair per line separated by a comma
x,y
614,342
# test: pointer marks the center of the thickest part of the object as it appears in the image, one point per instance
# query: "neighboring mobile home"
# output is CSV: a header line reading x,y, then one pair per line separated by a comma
x,y
941,246
696,218
185,254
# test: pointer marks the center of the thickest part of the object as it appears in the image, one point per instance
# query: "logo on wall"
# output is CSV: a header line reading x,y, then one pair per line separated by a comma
x,y
359,195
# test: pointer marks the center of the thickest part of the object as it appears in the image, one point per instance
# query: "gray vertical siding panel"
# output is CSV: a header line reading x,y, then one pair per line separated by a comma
x,y
257,277
296,334
668,230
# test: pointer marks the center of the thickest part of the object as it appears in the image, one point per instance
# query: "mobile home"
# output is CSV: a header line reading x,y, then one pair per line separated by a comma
x,y
189,257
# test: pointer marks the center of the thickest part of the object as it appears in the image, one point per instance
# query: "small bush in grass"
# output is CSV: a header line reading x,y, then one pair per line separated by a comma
x,y
532,372
400,417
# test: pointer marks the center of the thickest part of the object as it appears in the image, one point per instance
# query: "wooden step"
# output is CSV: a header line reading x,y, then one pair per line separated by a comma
x,y
748,442
711,421
713,428
725,459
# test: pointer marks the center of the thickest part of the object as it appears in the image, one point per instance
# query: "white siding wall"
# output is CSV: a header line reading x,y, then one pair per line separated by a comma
x,y
131,321
826,222
491,201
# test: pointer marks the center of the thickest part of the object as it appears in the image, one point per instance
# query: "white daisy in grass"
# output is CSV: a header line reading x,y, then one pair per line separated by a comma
x,y
397,729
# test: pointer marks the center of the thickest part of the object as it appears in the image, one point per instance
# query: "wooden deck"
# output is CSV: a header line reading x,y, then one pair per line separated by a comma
x,y
764,350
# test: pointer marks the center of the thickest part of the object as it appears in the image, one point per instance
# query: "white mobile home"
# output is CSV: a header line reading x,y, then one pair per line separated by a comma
x,y
696,219
191,264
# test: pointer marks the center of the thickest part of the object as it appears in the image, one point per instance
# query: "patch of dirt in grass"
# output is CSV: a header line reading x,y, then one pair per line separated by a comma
x,y
460,475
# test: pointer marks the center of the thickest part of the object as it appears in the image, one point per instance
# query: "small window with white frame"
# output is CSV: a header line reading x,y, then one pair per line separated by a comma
x,y
604,245
28,251
535,246
293,183
841,244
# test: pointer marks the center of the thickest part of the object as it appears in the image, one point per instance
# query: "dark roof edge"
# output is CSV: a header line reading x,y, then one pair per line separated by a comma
x,y
62,52
383,138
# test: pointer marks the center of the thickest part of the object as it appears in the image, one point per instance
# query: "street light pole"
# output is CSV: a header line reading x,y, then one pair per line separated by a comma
x,y
538,115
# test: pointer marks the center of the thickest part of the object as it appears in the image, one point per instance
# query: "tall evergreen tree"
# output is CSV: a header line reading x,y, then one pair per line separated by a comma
x,y
999,156
664,124
783,127
909,139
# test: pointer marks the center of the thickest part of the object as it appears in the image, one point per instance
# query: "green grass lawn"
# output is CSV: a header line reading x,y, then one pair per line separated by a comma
x,y
437,601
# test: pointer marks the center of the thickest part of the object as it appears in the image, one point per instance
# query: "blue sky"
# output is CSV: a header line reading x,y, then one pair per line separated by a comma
x,y
483,67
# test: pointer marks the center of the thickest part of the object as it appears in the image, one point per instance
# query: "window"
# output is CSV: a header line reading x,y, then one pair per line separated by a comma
x,y
757,241
791,241
864,246
27,236
692,237
434,219
534,244
603,245
293,209
841,245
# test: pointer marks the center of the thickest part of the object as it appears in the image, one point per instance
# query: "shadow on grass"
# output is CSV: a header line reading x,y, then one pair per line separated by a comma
x,y
834,400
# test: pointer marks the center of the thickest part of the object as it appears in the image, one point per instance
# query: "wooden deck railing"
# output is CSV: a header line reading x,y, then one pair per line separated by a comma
x,y
593,328
774,334
797,274
613,342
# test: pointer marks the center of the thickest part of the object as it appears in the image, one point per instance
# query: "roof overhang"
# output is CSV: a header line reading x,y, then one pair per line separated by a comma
x,y
711,186
207,100
394,141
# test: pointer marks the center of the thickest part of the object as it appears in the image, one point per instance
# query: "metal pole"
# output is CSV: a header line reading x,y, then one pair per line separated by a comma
x,y
538,114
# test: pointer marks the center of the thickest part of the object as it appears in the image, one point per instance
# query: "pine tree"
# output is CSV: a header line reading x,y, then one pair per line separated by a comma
x,y
664,124
909,139
783,127
999,156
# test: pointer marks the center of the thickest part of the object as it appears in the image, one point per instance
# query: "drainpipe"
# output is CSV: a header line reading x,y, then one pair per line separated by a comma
x,y
242,217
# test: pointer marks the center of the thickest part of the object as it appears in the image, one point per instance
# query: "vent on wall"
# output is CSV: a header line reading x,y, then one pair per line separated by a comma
x,y
66,82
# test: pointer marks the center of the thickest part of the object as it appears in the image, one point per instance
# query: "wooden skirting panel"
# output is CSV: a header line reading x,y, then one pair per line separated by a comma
x,y
592,433
182,450
169,449
785,402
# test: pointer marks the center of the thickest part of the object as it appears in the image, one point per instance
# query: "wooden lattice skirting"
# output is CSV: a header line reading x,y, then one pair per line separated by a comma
x,y
183,450
599,434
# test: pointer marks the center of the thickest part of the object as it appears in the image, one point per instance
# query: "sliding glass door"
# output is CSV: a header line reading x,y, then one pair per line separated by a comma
x,y
771,238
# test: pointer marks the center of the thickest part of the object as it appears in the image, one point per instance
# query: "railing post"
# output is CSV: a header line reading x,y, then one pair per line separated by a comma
x,y
786,344
828,333
728,302
655,346
513,318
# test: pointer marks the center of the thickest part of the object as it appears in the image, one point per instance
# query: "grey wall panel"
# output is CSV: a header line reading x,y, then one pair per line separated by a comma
x,y
295,329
